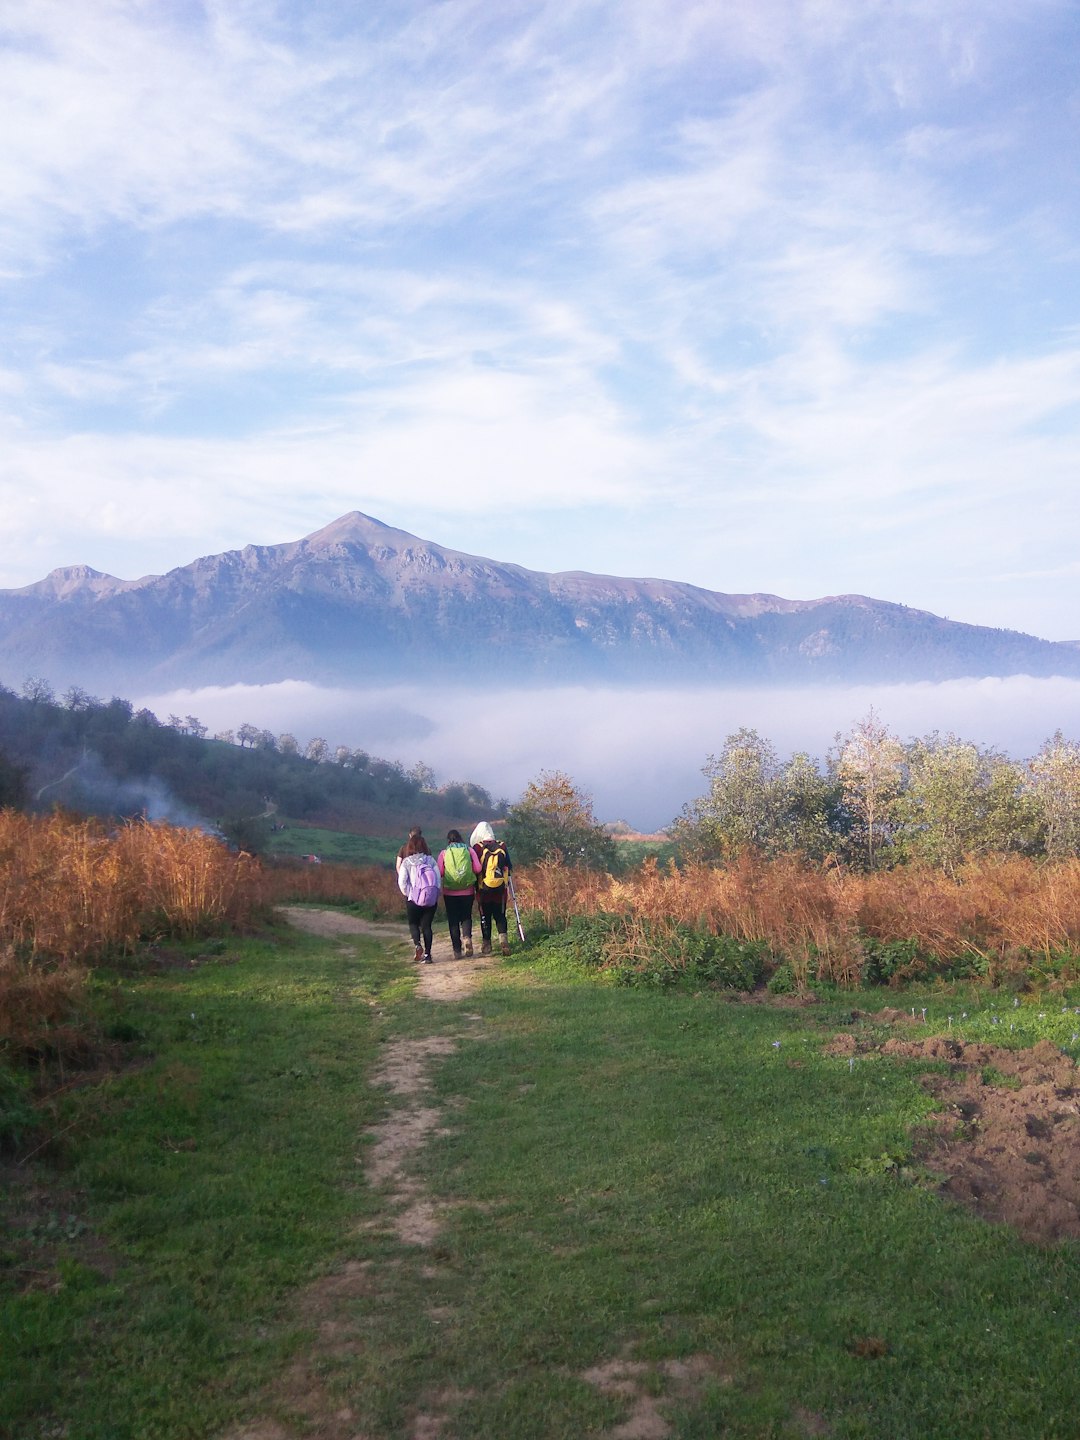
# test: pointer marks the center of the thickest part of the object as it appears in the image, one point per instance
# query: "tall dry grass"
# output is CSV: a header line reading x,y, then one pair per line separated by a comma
x,y
73,891
372,886
821,916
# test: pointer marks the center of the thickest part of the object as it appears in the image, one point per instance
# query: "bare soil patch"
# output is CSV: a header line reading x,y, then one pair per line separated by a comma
x,y
1007,1137
650,1389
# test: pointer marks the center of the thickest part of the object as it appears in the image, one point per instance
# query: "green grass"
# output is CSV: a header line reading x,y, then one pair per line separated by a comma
x,y
335,846
214,1175
623,1174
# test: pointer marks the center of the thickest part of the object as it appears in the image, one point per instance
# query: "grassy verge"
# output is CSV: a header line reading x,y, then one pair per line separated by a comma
x,y
189,1193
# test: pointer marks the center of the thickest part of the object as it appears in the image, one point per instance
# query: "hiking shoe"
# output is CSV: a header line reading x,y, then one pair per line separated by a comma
x,y
427,959
468,947
485,948
457,954
418,953
504,945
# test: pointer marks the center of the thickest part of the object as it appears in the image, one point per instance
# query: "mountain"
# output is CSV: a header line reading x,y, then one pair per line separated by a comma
x,y
360,602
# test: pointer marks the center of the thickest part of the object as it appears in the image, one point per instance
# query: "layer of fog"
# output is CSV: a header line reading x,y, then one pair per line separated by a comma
x,y
639,753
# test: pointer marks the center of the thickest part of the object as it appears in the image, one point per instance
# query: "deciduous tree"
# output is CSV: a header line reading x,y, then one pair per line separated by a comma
x,y
555,817
869,764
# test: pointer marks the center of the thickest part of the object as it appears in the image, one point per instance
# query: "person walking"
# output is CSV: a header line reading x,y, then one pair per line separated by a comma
x,y
459,869
418,881
495,868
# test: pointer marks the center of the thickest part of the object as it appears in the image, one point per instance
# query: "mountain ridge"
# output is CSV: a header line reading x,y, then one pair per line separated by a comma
x,y
361,601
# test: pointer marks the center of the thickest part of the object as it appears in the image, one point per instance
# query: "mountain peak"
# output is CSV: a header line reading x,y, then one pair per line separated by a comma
x,y
357,528
68,580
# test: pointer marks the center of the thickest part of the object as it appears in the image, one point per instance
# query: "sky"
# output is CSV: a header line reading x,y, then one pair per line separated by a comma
x,y
774,297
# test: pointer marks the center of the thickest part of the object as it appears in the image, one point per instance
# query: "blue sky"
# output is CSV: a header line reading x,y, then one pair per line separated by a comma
x,y
776,297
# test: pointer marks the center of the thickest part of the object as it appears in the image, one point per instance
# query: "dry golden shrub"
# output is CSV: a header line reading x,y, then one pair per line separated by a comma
x,y
820,914
372,885
557,892
73,891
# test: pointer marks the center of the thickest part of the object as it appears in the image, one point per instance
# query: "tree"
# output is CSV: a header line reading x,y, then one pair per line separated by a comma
x,y
76,698
962,800
811,815
869,766
1054,782
555,818
422,776
743,807
317,750
38,691
247,734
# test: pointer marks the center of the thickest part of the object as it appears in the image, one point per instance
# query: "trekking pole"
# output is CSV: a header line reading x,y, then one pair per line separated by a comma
x,y
517,912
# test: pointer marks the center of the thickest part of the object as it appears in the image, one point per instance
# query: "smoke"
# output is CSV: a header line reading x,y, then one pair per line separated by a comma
x,y
89,789
638,752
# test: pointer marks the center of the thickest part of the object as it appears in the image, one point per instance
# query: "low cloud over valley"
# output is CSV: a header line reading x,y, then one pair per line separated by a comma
x,y
640,752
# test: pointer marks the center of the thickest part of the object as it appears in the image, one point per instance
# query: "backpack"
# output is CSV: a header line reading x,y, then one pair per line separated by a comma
x,y
457,867
423,881
493,870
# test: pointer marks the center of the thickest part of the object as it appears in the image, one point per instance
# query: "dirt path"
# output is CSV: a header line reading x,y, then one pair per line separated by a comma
x,y
339,1306
444,979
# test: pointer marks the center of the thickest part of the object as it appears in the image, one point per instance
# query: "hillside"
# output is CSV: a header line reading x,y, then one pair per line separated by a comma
x,y
104,758
359,601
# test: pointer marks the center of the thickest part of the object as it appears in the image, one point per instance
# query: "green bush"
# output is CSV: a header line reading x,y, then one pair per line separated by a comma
x,y
641,952
16,1109
584,939
884,959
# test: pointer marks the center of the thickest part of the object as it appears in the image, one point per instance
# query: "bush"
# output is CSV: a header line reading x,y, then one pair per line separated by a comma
x,y
661,953
16,1109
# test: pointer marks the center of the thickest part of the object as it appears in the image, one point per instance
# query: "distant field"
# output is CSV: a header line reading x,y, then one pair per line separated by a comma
x,y
334,845
636,848
344,848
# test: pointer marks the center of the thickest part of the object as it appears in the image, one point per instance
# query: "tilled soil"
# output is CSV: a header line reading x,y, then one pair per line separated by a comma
x,y
1007,1136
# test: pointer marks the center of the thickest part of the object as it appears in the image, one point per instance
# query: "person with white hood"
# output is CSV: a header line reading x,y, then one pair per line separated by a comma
x,y
491,886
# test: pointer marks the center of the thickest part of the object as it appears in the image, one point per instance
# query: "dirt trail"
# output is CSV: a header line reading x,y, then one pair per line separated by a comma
x,y
444,979
339,1306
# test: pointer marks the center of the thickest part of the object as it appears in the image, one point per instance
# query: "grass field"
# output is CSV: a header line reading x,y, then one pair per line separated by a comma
x,y
646,1209
336,846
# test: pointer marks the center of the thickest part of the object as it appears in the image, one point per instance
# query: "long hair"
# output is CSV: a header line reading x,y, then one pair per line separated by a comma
x,y
416,845
454,837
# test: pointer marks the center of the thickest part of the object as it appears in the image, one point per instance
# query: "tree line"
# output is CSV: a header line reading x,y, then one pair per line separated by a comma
x,y
878,801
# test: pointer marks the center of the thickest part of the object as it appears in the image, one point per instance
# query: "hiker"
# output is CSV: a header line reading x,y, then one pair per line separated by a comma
x,y
495,868
401,853
459,868
418,881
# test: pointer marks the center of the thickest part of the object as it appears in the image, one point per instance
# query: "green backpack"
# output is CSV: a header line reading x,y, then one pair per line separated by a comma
x,y
457,867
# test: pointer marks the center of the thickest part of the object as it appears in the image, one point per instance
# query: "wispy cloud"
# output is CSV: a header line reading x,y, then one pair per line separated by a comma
x,y
763,296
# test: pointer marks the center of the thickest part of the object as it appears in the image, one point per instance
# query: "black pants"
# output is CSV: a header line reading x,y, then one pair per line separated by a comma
x,y
492,907
420,918
459,918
